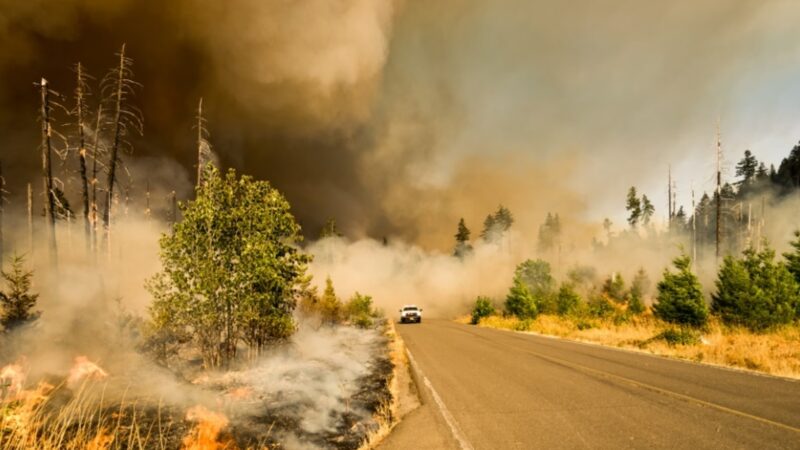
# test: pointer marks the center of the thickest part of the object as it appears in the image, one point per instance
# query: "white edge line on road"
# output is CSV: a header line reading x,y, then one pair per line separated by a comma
x,y
451,421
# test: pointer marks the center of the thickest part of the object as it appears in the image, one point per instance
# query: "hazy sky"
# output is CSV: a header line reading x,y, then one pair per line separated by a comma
x,y
397,118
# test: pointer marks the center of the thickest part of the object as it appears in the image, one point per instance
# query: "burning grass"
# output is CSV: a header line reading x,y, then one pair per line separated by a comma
x,y
776,353
327,388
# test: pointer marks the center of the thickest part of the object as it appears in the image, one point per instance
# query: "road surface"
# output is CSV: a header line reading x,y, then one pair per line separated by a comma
x,y
494,389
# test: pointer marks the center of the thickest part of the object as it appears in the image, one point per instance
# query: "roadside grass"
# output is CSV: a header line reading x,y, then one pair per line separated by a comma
x,y
776,352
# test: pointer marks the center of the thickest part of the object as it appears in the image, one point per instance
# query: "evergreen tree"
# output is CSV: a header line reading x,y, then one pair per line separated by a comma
x,y
549,233
463,246
680,296
788,174
614,288
747,168
329,229
567,300
761,173
638,291
330,305
537,277
755,291
490,232
793,257
520,301
679,222
634,207
647,210
503,218
607,227
17,303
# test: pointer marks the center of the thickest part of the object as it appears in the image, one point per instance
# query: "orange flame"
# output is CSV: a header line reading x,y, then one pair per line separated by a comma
x,y
205,435
101,441
240,393
12,380
84,369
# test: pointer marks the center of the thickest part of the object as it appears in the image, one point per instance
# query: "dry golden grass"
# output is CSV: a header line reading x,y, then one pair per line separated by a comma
x,y
29,420
776,353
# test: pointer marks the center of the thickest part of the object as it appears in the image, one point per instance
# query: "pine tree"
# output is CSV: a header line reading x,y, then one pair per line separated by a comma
x,y
747,168
755,291
17,303
680,296
636,295
614,288
793,257
329,229
463,247
503,218
490,232
647,210
549,233
634,207
330,305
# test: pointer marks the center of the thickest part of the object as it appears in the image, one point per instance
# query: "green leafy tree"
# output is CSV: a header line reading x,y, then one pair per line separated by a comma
x,y
680,296
639,287
634,207
755,291
231,268
520,301
329,229
537,277
463,247
483,308
17,302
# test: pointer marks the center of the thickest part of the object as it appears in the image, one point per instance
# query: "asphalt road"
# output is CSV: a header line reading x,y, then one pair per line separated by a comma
x,y
493,389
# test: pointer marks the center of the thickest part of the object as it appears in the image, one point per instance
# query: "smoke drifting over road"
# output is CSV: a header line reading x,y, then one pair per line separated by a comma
x,y
397,118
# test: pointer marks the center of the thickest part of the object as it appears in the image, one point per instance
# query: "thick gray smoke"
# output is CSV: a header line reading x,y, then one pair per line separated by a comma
x,y
397,118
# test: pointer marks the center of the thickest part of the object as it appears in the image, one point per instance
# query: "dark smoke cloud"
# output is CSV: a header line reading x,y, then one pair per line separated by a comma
x,y
399,117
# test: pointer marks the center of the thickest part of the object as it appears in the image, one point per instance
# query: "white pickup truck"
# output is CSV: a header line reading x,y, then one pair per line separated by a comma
x,y
411,313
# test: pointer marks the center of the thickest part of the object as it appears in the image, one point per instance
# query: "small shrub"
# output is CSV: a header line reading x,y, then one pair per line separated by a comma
x,y
483,308
520,301
599,306
567,300
584,325
679,336
359,311
523,325
614,288
17,303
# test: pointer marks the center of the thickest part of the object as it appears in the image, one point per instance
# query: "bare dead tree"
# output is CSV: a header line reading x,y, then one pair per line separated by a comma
x,y
47,167
203,146
81,91
118,86
30,218
147,199
173,209
95,153
718,195
2,210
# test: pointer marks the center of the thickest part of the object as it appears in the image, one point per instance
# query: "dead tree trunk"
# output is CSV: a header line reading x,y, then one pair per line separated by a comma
x,y
95,147
718,195
47,169
30,218
80,102
2,206
117,124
